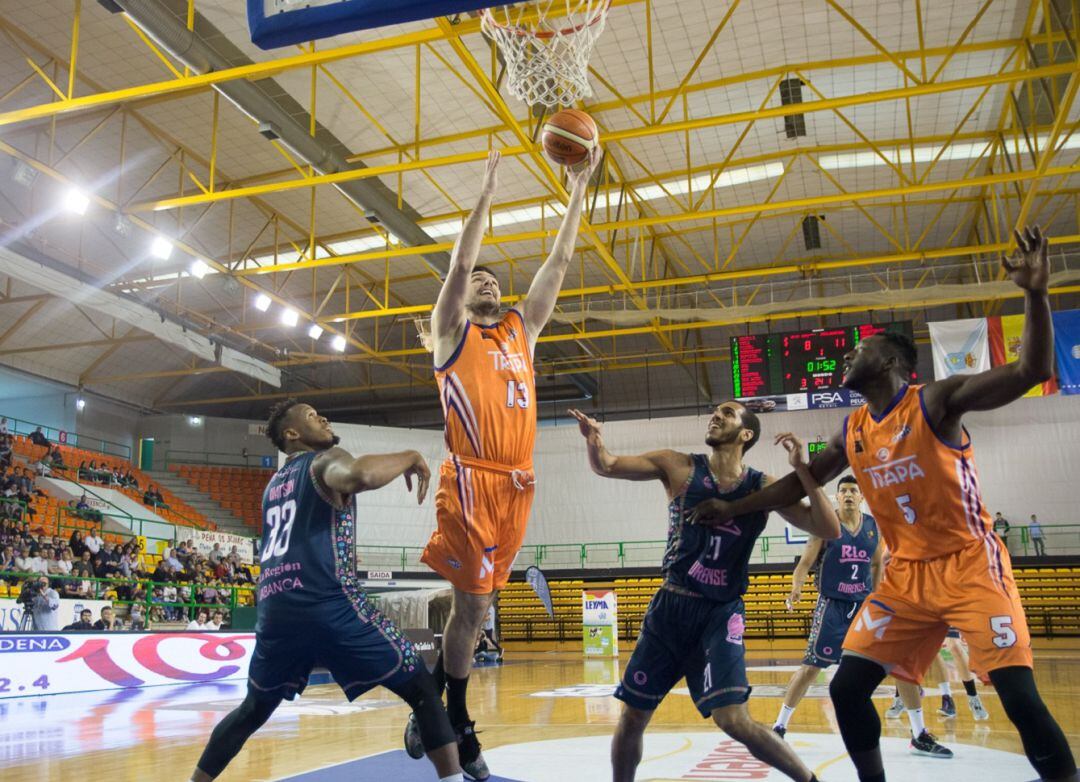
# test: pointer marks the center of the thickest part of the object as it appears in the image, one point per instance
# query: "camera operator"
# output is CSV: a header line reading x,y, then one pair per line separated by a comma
x,y
43,602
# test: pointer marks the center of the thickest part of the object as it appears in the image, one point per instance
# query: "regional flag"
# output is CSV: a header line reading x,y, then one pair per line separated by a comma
x,y
1004,337
960,347
1067,350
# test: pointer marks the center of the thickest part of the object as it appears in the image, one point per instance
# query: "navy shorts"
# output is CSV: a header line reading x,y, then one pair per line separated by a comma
x,y
692,637
952,633
832,618
360,647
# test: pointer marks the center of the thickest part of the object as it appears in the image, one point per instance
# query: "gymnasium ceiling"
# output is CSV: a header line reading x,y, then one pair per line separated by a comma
x,y
931,129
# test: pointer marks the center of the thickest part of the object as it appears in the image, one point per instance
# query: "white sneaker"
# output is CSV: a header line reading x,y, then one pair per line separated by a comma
x,y
978,711
897,708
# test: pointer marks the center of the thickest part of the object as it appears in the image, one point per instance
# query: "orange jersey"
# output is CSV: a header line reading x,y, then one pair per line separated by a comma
x,y
488,394
923,492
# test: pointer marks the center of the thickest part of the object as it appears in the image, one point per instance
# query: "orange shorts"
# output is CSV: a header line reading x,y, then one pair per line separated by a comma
x,y
904,621
481,511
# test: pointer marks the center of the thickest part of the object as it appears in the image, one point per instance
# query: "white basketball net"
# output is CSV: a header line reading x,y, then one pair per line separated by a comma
x,y
546,45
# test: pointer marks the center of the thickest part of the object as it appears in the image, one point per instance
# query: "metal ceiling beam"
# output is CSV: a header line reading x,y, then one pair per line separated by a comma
x,y
525,145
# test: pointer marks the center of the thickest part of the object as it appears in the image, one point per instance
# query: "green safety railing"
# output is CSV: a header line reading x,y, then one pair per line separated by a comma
x,y
217,459
74,439
1059,539
237,595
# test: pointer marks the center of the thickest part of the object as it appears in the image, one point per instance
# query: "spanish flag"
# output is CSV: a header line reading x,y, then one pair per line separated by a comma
x,y
1004,337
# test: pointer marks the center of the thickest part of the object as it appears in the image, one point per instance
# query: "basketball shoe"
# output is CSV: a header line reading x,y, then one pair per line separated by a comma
x,y
472,761
414,746
948,707
978,711
928,746
896,709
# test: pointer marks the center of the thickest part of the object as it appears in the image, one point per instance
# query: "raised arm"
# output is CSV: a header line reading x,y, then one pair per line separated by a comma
x,y
819,517
947,400
877,566
448,316
783,493
802,570
666,466
538,305
341,473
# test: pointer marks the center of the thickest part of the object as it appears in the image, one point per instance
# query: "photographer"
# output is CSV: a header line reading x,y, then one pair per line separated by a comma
x,y
44,603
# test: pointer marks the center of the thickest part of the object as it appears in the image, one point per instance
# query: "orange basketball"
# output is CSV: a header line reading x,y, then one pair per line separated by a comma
x,y
568,136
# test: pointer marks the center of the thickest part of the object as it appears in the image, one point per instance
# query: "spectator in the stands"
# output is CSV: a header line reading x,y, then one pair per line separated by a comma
x,y
1035,530
43,467
37,562
92,542
216,554
5,451
209,595
107,621
84,621
85,565
67,562
105,567
70,588
173,562
52,563
1002,527
199,622
37,437
137,618
75,542
153,497
3,427
57,458
217,619
162,573
157,610
224,569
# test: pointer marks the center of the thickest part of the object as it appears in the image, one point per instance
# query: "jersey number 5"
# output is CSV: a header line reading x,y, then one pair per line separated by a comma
x,y
904,501
279,518
517,393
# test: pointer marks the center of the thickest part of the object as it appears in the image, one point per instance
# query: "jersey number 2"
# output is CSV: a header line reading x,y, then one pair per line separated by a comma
x,y
517,393
280,519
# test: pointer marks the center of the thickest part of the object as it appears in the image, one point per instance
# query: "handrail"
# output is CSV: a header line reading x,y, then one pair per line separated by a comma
x,y
621,554
150,585
78,482
181,457
73,439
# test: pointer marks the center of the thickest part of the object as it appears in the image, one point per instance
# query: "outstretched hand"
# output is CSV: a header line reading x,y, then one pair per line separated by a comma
x,y
794,447
491,173
589,427
422,473
1029,267
579,176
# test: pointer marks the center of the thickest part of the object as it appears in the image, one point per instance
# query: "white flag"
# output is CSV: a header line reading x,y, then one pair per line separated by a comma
x,y
961,347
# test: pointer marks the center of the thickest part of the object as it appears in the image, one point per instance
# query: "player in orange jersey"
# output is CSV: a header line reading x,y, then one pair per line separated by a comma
x,y
484,367
913,460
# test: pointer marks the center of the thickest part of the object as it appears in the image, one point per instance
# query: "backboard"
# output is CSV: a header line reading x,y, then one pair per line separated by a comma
x,y
275,23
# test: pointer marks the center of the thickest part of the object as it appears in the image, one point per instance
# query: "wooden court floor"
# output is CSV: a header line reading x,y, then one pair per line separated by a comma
x,y
545,717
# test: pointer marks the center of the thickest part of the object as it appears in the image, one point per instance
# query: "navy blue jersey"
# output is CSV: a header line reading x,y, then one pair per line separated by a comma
x,y
307,551
845,562
711,561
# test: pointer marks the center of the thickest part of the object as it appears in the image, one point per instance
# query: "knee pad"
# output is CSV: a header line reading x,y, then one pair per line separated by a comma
x,y
855,680
421,694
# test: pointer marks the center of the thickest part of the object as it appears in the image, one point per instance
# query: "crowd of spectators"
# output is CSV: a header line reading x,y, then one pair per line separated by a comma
x,y
95,473
181,578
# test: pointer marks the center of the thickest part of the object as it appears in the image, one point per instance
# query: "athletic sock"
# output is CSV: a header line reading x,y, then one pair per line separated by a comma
x,y
785,716
455,700
915,717
969,686
453,778
946,690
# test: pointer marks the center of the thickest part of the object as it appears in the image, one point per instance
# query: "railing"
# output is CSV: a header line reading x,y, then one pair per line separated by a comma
x,y
1060,539
73,474
74,439
237,595
214,459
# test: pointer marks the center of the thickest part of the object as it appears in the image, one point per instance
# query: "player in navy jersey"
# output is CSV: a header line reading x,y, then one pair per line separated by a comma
x,y
310,607
694,624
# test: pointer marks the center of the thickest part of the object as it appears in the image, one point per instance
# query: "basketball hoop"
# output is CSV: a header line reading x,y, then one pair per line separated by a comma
x,y
546,45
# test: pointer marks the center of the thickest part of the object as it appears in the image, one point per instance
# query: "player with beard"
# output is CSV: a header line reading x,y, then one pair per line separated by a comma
x,y
484,367
311,609
694,624
913,459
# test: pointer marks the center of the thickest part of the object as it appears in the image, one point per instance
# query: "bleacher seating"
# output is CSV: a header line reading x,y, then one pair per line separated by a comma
x,y
1051,597
178,512
238,489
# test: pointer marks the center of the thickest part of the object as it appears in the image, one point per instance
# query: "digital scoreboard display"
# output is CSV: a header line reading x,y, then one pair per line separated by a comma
x,y
815,447
798,361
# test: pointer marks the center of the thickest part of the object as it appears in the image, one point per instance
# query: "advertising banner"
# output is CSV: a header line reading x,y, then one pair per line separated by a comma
x,y
600,623
11,613
1067,350
204,541
53,663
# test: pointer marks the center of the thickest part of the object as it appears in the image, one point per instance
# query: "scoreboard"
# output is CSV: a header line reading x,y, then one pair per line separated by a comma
x,y
798,361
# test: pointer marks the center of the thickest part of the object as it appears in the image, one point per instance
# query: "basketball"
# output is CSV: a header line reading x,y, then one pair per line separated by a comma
x,y
568,137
